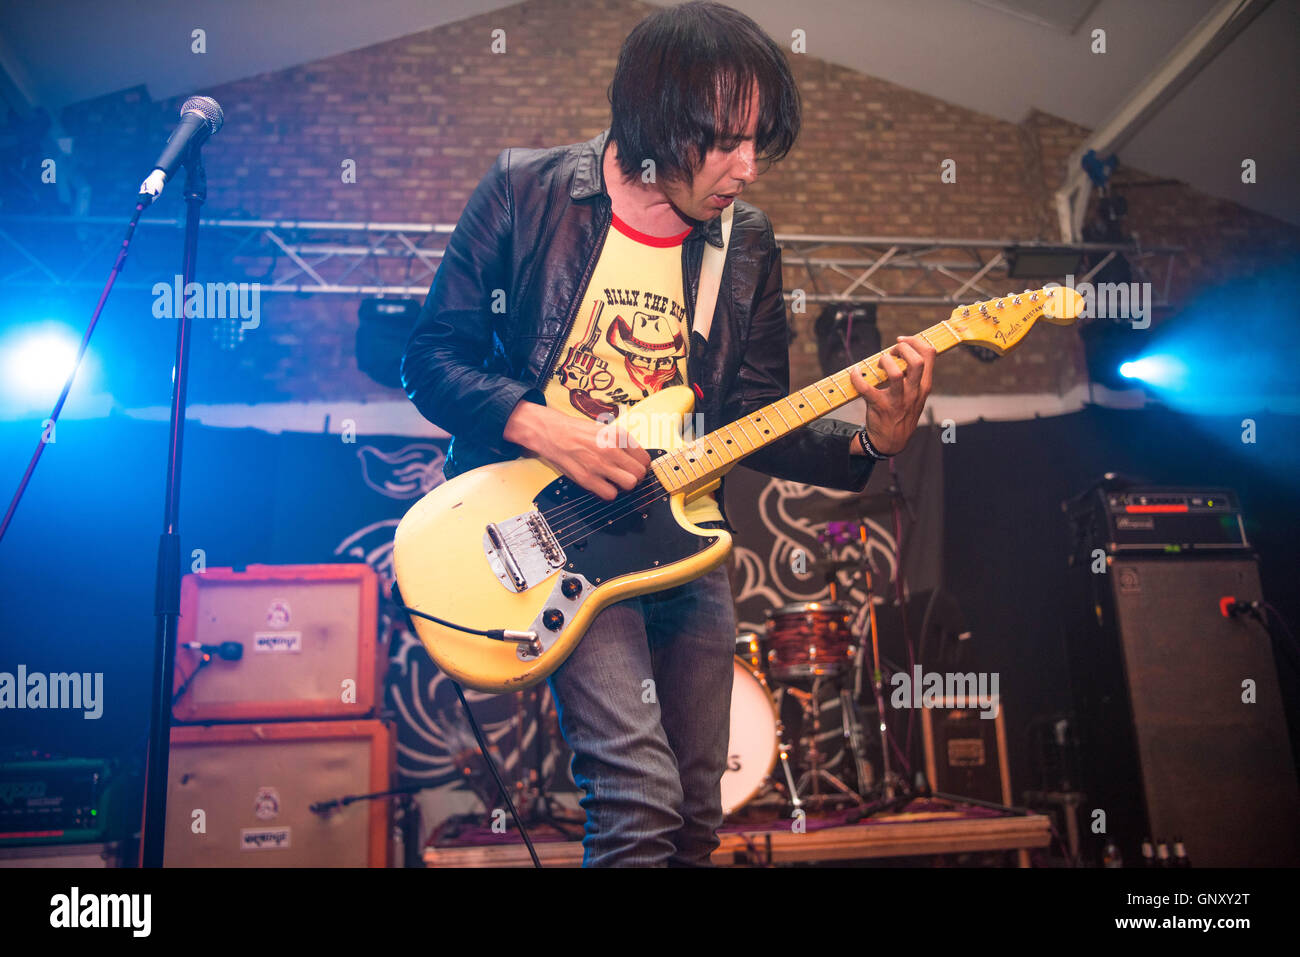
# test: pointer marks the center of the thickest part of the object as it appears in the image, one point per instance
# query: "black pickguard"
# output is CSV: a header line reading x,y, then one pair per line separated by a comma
x,y
644,538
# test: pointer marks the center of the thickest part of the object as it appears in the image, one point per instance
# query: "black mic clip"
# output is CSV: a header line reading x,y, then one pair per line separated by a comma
x,y
227,650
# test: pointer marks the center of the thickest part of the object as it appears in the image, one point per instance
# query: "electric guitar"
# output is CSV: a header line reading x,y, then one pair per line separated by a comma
x,y
514,559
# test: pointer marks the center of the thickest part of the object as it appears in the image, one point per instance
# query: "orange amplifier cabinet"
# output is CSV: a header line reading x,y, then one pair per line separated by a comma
x,y
308,640
241,795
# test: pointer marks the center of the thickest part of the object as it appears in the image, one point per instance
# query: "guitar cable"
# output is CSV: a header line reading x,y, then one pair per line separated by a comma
x,y
498,633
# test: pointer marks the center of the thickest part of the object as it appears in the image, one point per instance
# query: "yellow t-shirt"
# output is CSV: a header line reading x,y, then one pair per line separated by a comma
x,y
631,337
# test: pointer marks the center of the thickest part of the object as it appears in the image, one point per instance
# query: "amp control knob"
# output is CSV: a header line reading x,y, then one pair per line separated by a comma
x,y
571,587
553,619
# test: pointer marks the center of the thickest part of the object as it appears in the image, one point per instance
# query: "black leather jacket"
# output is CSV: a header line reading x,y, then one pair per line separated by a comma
x,y
506,295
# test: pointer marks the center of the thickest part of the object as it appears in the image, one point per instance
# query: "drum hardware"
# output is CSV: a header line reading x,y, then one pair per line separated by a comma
x,y
810,702
888,778
749,649
837,534
791,790
853,738
815,642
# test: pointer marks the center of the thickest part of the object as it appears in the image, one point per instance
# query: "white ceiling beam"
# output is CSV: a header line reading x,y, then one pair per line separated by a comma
x,y
1201,45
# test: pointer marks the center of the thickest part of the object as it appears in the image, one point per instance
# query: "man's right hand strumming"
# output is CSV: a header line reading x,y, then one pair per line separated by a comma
x,y
602,458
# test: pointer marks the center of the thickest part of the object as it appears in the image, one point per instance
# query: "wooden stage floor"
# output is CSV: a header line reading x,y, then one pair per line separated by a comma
x,y
925,827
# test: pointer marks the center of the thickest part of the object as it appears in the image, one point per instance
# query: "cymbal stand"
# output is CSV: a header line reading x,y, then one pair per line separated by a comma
x,y
837,533
887,774
795,800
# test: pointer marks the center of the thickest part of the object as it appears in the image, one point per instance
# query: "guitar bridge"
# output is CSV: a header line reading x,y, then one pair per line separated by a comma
x,y
522,550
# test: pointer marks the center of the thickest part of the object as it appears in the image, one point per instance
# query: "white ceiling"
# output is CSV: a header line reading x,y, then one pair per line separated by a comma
x,y
1001,58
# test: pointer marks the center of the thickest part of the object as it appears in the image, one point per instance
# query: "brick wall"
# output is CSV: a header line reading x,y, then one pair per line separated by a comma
x,y
423,117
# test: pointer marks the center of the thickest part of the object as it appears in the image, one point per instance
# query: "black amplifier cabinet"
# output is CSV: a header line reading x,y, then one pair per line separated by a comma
x,y
1182,730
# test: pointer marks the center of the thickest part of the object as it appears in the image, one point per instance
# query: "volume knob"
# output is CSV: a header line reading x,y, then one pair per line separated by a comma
x,y
571,587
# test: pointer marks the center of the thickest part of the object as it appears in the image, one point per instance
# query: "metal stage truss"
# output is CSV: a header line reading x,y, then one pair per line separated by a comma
x,y
318,257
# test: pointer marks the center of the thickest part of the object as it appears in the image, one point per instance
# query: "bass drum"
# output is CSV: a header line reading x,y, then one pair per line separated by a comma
x,y
751,754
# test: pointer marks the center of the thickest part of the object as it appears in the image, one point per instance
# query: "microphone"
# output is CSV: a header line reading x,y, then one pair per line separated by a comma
x,y
201,117
227,650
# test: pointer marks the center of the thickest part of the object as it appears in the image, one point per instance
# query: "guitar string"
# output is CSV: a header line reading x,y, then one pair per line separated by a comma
x,y
603,509
617,509
559,513
601,504
619,506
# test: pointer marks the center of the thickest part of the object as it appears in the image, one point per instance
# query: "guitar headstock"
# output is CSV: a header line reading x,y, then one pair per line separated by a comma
x,y
999,324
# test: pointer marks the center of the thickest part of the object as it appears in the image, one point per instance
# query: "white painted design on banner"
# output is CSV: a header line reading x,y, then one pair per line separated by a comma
x,y
410,472
774,581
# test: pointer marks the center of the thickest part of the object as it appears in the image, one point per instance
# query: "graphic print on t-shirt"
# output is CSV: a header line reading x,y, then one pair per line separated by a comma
x,y
631,347
630,337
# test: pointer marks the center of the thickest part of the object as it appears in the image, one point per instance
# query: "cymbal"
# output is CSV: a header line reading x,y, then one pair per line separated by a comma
x,y
839,509
834,565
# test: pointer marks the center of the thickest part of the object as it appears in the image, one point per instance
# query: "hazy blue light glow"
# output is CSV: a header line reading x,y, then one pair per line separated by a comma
x,y
37,358
1164,371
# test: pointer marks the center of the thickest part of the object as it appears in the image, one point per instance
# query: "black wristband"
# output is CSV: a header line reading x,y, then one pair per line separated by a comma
x,y
869,448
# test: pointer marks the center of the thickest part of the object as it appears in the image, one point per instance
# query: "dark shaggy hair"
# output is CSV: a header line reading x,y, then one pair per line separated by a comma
x,y
681,71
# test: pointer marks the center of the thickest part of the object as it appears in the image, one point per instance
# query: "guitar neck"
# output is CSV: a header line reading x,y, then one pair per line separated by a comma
x,y
713,454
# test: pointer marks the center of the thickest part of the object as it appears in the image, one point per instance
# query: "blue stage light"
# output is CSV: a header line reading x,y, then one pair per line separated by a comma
x,y
37,358
1164,371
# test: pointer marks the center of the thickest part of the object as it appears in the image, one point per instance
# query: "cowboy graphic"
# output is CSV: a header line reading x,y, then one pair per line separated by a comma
x,y
650,350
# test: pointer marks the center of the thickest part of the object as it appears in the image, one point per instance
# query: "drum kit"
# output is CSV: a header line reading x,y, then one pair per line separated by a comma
x,y
796,694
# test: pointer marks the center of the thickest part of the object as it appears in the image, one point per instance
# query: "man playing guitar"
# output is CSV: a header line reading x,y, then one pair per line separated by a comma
x,y
567,291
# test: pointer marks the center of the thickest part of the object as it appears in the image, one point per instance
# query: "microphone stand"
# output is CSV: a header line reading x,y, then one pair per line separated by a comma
x,y
167,584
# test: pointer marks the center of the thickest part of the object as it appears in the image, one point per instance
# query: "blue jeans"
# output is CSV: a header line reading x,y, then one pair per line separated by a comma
x,y
644,701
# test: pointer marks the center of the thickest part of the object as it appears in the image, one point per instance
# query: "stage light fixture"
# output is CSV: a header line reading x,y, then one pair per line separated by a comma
x,y
385,325
1041,262
1107,346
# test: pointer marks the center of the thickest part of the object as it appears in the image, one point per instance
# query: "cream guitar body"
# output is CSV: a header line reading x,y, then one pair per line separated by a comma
x,y
518,549
554,550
